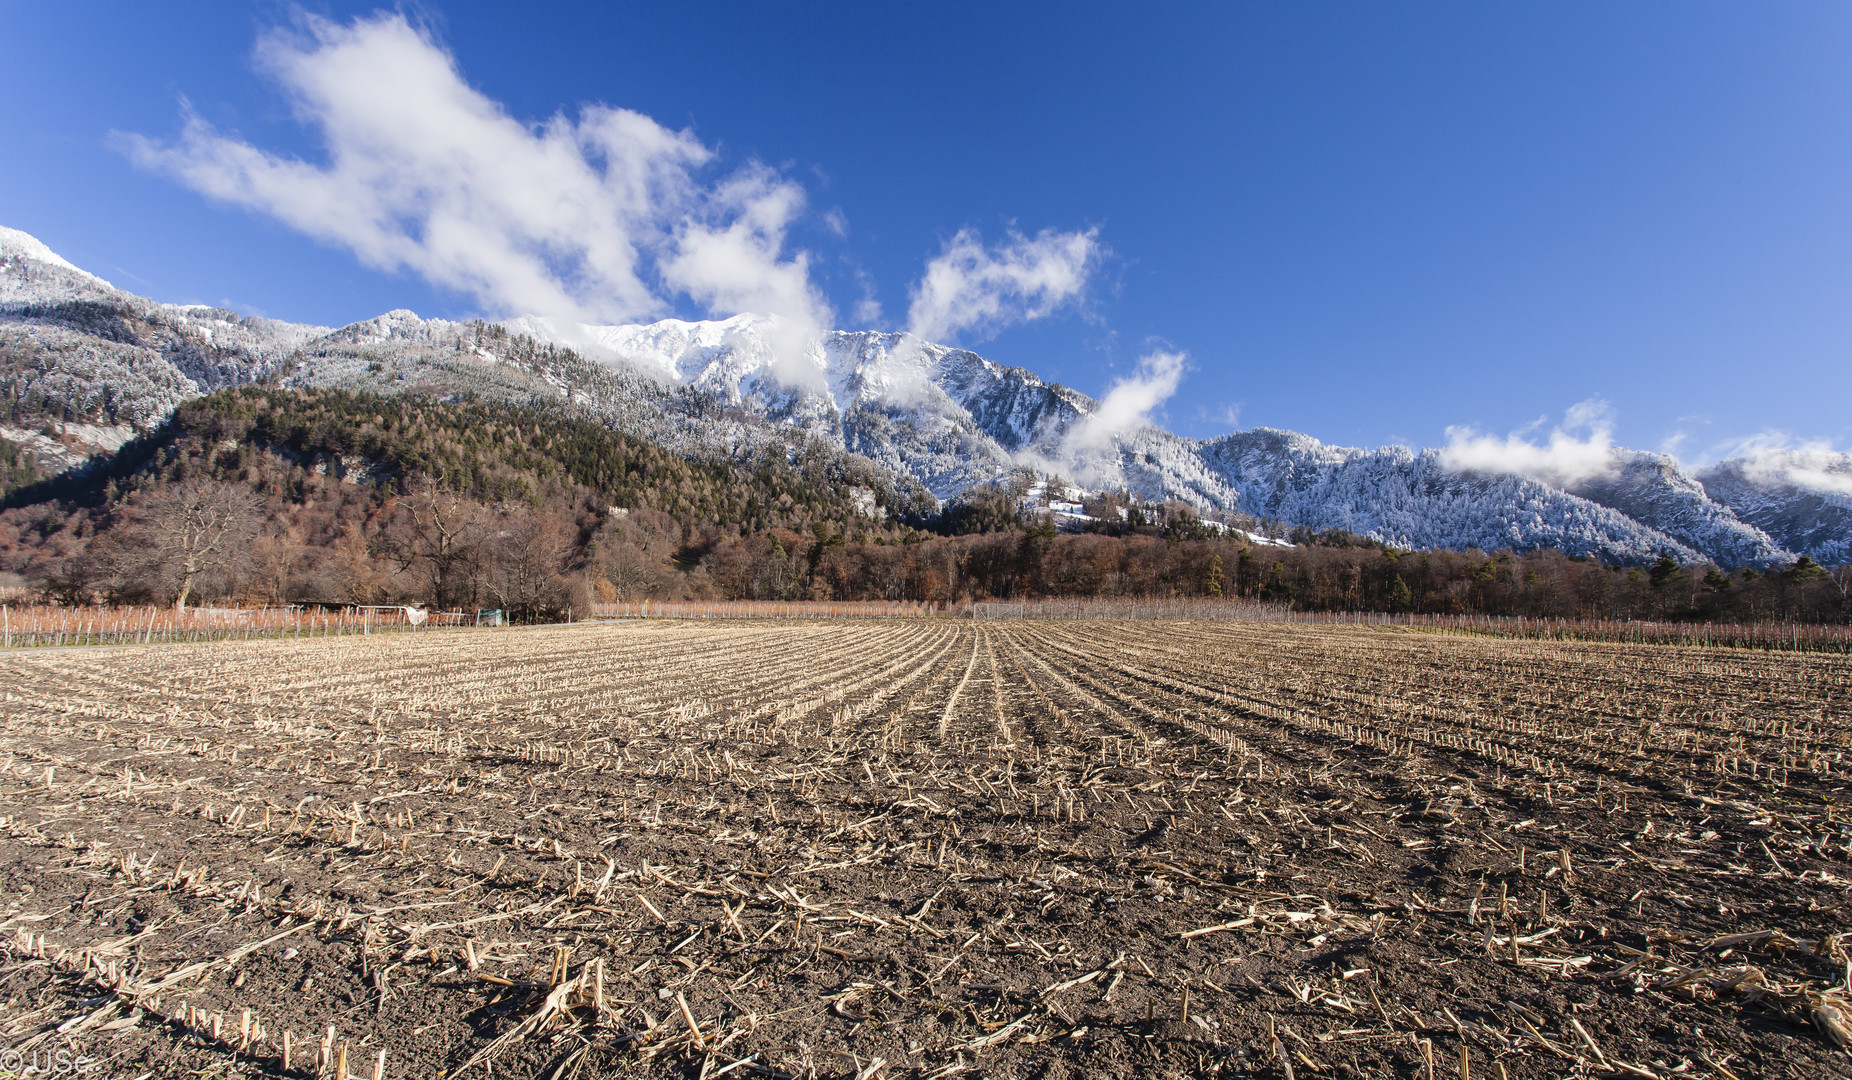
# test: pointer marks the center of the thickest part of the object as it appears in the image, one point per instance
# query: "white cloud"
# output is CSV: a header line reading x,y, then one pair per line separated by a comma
x,y
1682,436
1580,449
1087,451
1773,458
1228,415
867,311
600,217
728,259
1128,405
971,287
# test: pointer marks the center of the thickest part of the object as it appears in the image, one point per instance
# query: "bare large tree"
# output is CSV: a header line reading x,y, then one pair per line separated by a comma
x,y
187,530
627,571
277,560
528,553
443,532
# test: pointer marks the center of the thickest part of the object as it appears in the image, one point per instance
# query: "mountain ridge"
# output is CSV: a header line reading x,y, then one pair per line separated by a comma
x,y
83,364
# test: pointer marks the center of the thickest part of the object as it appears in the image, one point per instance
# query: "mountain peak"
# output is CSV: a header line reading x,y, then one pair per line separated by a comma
x,y
15,244
32,273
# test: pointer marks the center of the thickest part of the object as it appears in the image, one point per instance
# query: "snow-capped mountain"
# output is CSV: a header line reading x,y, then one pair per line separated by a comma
x,y
85,365
1655,491
90,365
946,416
31,273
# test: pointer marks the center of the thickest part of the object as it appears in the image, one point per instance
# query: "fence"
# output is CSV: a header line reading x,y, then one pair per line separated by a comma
x,y
771,609
1786,636
1791,636
42,625
1169,608
906,609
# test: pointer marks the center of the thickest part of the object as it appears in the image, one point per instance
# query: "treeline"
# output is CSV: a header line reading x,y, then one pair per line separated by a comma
x,y
1324,573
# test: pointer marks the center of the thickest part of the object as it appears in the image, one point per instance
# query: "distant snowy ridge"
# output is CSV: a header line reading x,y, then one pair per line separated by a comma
x,y
951,417
72,346
1801,498
30,273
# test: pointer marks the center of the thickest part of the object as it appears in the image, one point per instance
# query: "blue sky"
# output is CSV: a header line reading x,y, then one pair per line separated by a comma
x,y
1367,222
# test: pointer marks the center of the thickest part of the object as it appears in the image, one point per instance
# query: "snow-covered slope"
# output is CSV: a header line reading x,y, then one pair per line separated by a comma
x,y
1802,498
32,273
944,415
951,417
84,366
98,363
1655,491
77,352
1410,499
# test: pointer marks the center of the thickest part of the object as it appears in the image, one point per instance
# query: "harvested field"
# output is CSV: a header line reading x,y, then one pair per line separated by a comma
x,y
925,848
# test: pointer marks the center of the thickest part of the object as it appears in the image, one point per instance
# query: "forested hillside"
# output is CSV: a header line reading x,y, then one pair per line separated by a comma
x,y
157,453
327,495
19,467
295,496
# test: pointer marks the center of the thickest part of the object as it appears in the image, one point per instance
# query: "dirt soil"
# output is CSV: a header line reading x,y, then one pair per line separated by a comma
x,y
925,848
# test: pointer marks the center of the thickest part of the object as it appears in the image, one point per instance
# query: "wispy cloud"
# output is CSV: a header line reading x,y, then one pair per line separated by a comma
x,y
1579,449
1087,451
1228,416
1129,404
979,290
867,310
597,215
1774,458
603,216
728,257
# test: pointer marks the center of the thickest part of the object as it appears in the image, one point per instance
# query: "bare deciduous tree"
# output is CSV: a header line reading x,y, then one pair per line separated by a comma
x,y
276,558
528,553
629,572
352,570
441,531
179,533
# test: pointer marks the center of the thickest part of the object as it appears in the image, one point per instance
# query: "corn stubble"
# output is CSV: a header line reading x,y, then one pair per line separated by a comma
x,y
860,849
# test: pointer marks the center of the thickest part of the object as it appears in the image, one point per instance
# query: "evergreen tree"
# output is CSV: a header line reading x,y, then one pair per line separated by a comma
x,y
1277,588
1212,582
